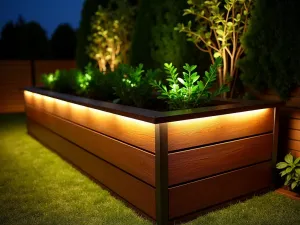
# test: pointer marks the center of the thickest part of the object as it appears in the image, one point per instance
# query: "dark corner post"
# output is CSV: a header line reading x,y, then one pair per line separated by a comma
x,y
161,173
32,64
275,145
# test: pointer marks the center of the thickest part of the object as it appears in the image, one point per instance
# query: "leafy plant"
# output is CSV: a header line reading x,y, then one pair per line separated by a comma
x,y
218,28
89,9
83,80
189,91
132,85
50,79
111,28
290,170
61,80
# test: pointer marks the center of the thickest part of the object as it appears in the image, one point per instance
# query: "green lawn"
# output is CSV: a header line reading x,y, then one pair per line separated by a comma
x,y
37,187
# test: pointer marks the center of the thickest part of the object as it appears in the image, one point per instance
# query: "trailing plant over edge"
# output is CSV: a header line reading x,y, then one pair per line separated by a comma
x,y
189,91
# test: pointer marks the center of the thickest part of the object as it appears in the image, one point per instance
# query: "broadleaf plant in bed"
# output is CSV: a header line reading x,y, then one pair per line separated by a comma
x,y
189,91
290,169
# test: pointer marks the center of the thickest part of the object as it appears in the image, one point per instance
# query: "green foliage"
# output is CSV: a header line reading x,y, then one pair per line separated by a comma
x,y
155,41
189,91
167,45
132,85
290,170
272,47
63,81
50,79
90,83
110,37
98,84
217,29
88,10
141,40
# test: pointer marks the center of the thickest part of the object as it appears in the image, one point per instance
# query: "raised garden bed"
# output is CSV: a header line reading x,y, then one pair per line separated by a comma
x,y
166,164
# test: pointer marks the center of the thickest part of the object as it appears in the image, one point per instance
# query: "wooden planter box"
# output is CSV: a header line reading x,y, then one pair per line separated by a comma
x,y
166,164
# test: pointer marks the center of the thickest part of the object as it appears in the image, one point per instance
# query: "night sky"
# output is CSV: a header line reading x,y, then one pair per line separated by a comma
x,y
49,13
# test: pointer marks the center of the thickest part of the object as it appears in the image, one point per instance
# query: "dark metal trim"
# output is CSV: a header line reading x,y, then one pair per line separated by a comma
x,y
161,173
275,145
151,116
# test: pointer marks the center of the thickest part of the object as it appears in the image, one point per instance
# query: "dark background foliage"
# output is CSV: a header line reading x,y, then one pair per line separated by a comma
x,y
88,10
63,42
28,40
272,47
155,41
23,40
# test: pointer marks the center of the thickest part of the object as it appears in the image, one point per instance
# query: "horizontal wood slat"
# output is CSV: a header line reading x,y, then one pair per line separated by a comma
x,y
294,145
199,195
294,124
131,189
201,162
132,131
202,131
294,134
17,74
295,153
136,162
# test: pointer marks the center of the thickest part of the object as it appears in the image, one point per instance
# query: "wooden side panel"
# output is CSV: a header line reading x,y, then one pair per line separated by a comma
x,y
208,130
294,124
14,75
134,191
295,153
292,112
132,131
294,134
290,131
134,161
50,66
202,162
199,195
294,145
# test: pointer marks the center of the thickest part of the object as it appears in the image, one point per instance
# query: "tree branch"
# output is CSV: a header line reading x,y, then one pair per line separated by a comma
x,y
201,49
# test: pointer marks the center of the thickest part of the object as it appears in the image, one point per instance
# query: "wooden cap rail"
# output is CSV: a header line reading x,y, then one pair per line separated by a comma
x,y
151,116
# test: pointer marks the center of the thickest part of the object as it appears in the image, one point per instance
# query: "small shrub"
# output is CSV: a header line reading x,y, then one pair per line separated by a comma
x,y
50,79
110,37
189,91
61,81
290,170
100,84
132,85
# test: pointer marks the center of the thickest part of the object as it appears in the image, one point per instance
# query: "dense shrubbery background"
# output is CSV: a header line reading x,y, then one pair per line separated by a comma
x,y
272,47
271,42
28,40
